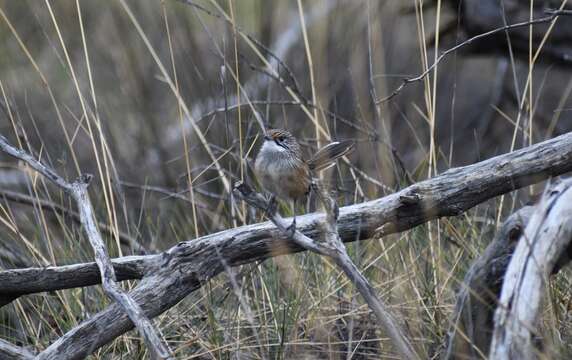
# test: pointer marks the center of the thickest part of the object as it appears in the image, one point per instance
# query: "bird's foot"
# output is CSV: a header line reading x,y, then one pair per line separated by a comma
x,y
291,229
271,206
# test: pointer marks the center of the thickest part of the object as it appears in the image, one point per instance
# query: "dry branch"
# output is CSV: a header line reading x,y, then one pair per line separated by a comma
x,y
545,239
78,190
18,282
472,321
183,268
552,16
10,351
334,248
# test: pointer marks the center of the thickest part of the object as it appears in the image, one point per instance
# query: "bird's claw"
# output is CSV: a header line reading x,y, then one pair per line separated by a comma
x,y
291,229
271,206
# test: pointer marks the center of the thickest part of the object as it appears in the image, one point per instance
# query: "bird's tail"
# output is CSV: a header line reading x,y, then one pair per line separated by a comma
x,y
329,153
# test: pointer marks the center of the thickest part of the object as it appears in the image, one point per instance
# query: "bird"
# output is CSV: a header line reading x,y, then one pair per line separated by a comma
x,y
282,171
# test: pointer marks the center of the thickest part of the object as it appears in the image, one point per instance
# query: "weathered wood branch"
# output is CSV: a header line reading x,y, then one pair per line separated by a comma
x,y
472,321
18,282
78,191
546,238
11,351
183,268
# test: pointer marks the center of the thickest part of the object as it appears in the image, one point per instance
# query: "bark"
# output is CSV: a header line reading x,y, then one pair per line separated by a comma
x,y
18,282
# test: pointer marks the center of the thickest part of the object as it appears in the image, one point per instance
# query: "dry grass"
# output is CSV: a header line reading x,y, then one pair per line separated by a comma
x,y
119,89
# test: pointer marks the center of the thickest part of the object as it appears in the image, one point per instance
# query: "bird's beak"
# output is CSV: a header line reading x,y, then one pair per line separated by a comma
x,y
267,137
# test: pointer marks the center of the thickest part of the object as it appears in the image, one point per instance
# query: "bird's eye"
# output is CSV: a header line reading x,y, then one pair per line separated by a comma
x,y
280,138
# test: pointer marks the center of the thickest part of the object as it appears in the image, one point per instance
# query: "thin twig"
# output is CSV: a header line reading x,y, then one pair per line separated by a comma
x,y
349,122
553,14
171,194
78,191
295,86
24,199
334,248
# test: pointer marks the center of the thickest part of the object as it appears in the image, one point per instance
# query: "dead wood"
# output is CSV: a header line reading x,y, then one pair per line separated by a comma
x,y
472,321
78,191
11,351
545,240
185,267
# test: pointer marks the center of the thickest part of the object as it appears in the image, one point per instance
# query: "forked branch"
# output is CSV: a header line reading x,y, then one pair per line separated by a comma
x,y
334,248
78,191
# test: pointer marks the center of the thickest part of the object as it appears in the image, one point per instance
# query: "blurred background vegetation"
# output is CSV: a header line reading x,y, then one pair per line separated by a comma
x,y
163,101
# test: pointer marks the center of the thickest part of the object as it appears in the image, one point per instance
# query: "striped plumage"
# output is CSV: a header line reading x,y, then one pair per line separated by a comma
x,y
281,169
